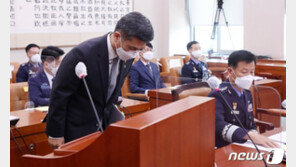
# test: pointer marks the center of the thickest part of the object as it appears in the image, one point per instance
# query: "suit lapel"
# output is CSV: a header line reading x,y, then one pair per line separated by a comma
x,y
103,68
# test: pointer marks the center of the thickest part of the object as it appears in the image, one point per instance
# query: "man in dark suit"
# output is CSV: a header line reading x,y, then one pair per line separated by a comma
x,y
30,68
108,60
144,74
234,97
195,69
41,84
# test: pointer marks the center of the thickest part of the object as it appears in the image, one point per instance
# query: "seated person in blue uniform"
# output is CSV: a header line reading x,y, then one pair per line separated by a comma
x,y
144,74
194,70
234,94
26,70
40,85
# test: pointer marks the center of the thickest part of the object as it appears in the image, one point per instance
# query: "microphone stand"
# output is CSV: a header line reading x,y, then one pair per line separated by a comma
x,y
242,127
93,105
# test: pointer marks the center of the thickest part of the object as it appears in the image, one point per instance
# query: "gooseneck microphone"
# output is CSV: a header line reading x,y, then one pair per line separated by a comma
x,y
81,73
242,126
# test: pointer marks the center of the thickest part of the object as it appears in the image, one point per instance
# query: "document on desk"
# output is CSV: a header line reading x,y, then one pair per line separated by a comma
x,y
279,138
42,109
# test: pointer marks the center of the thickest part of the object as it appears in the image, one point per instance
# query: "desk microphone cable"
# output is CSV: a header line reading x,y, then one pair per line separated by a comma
x,y
17,144
22,137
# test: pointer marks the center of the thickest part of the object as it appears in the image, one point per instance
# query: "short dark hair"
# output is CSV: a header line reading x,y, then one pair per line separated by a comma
x,y
57,49
51,51
190,44
239,56
31,45
149,45
134,24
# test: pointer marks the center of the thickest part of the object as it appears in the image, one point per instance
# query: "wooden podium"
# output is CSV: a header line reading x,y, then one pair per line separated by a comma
x,y
179,134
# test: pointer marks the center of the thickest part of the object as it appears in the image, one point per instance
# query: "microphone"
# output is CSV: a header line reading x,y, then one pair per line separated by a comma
x,y
242,126
214,82
81,72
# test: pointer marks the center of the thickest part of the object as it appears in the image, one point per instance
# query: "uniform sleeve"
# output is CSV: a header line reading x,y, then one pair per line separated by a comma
x,y
186,75
134,79
66,83
224,130
21,75
35,94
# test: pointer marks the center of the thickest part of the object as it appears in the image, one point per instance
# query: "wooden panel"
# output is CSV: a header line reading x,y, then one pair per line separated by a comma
x,y
133,107
161,137
33,132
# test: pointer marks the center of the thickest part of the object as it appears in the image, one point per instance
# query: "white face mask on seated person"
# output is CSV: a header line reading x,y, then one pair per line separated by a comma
x,y
196,54
36,58
148,55
52,67
244,82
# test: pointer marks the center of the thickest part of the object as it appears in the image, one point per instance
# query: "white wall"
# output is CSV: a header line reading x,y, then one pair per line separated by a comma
x,y
171,28
179,29
158,13
264,27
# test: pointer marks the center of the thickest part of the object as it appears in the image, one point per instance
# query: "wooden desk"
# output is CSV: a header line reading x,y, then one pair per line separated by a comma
x,y
134,107
159,97
34,135
222,154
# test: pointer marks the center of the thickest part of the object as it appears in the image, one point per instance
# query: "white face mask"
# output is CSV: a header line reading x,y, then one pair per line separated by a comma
x,y
53,68
196,54
125,55
148,55
244,82
36,58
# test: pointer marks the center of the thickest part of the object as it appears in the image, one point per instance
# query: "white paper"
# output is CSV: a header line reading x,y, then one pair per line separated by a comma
x,y
11,117
11,69
279,138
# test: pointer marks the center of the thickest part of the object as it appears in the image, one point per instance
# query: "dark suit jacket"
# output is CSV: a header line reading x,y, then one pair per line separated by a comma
x,y
70,112
141,80
39,89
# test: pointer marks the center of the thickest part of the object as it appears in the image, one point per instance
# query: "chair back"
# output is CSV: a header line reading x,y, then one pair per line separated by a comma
x,y
14,67
18,95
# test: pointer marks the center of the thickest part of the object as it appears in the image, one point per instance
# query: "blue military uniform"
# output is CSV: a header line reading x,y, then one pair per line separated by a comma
x,y
194,71
39,89
26,71
141,79
227,128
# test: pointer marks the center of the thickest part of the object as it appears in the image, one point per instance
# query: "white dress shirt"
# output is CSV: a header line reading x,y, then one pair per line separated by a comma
x,y
49,77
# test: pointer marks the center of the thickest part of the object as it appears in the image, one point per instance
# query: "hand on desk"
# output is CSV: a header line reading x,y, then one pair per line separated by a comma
x,y
56,142
262,140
